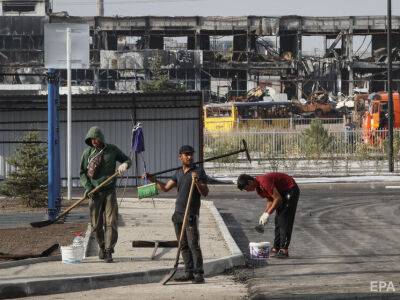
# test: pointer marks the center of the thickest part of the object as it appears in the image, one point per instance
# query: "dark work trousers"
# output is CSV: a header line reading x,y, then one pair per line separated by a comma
x,y
104,218
284,218
190,246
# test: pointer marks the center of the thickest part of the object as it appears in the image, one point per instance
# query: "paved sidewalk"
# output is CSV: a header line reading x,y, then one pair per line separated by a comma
x,y
220,287
139,220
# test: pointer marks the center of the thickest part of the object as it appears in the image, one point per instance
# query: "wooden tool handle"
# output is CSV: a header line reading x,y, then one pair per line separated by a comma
x,y
185,219
105,182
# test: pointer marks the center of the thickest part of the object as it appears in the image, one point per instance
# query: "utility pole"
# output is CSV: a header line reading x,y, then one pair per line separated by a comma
x,y
69,118
389,84
100,8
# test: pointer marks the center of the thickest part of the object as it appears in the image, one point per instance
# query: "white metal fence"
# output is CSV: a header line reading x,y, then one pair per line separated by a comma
x,y
302,152
295,152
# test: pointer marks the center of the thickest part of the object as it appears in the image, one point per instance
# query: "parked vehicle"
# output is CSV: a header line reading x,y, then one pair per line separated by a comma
x,y
230,115
376,118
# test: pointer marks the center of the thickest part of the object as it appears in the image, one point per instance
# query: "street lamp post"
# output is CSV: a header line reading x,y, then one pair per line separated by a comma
x,y
69,117
389,84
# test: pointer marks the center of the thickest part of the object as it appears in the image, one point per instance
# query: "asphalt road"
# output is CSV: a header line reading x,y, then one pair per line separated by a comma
x,y
345,242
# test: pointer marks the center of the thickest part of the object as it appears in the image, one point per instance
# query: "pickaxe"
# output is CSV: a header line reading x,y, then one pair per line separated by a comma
x,y
243,149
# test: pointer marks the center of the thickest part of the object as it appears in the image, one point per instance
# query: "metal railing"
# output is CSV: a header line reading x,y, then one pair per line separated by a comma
x,y
301,152
336,152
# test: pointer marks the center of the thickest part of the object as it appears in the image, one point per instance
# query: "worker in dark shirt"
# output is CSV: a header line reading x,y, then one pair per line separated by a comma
x,y
182,179
282,194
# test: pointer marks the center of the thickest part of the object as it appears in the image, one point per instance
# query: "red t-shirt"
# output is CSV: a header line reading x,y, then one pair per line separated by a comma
x,y
281,181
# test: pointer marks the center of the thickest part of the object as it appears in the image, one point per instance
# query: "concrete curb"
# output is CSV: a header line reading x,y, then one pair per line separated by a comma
x,y
233,247
30,261
229,181
24,288
84,283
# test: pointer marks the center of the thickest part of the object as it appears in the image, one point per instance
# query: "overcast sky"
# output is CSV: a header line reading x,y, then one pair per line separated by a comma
x,y
228,7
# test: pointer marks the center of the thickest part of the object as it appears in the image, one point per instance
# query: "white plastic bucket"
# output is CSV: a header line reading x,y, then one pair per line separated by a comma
x,y
259,250
71,254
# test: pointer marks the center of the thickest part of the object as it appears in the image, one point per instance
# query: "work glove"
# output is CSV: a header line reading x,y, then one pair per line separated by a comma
x,y
122,168
264,218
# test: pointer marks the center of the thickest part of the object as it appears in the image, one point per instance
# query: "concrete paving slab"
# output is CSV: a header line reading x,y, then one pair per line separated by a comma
x,y
139,220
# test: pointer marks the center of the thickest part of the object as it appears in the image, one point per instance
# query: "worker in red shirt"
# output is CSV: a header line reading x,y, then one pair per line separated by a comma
x,y
282,194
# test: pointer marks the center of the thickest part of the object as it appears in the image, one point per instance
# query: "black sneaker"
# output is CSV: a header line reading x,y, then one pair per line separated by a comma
x,y
186,277
198,279
282,253
108,256
102,253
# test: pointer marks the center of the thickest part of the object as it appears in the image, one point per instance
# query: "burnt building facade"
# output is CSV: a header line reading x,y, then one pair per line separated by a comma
x,y
221,56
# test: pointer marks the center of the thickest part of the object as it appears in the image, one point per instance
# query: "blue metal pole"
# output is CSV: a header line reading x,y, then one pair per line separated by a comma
x,y
53,185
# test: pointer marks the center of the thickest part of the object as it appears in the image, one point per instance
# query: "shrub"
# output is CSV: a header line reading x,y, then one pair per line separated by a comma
x,y
396,146
28,181
220,146
316,141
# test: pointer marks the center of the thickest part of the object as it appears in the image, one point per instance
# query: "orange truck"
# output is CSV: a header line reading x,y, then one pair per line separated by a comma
x,y
375,120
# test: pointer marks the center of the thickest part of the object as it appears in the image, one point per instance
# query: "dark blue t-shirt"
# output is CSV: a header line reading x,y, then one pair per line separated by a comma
x,y
183,182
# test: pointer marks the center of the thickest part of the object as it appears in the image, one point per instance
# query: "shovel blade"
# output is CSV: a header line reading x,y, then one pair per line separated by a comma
x,y
169,276
42,223
49,250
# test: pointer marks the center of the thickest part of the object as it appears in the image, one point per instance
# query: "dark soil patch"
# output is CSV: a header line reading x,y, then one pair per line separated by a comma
x,y
30,240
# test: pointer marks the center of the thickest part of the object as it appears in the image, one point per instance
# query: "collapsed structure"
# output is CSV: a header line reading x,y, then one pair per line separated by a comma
x,y
223,56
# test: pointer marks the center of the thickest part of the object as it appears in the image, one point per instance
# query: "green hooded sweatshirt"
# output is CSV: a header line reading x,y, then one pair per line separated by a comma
x,y
111,154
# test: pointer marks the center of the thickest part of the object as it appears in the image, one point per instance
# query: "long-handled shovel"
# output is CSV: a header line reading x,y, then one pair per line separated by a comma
x,y
49,222
183,229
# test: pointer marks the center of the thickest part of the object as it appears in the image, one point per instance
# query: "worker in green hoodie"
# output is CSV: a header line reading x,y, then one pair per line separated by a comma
x,y
98,162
